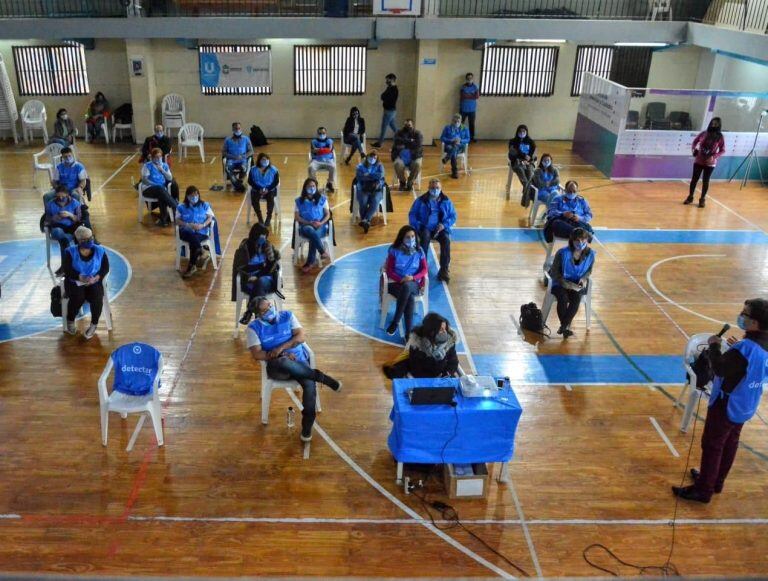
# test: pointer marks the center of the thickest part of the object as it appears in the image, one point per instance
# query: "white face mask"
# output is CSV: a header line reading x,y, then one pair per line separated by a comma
x,y
546,163
522,134
64,116
69,160
264,163
457,124
372,160
434,192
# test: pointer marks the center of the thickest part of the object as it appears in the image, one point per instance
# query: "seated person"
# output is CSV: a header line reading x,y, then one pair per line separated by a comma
x,y
312,214
408,153
96,116
369,188
278,339
567,212
70,173
85,266
157,140
570,274
354,129
194,217
406,269
64,131
257,262
521,158
431,351
63,215
546,179
321,152
455,138
156,178
263,179
235,152
432,215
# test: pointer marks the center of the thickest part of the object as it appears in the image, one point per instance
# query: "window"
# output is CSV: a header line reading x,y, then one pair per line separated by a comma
x,y
591,59
526,71
51,70
631,65
329,69
235,69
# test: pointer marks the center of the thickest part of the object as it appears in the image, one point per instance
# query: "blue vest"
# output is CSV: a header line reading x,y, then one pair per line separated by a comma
x,y
234,147
467,104
53,209
407,264
433,218
745,397
68,174
195,215
136,366
263,180
275,334
308,210
572,271
524,148
86,267
317,143
156,177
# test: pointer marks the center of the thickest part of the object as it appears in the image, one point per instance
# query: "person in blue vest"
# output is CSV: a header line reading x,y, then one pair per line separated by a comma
x,y
455,138
522,150
157,179
235,152
312,214
263,179
70,173
741,376
468,97
566,212
546,179
63,215
406,268
432,215
278,339
194,217
369,188
322,157
570,274
85,266
257,261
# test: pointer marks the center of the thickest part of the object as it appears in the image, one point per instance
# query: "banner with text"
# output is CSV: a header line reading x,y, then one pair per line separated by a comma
x,y
235,69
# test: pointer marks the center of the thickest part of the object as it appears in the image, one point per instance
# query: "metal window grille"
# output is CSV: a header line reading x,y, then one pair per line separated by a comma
x,y
243,90
329,69
591,59
631,65
527,71
51,70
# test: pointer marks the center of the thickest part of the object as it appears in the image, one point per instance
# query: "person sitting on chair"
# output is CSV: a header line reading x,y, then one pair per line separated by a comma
x,y
64,131
455,138
432,215
570,274
406,269
235,152
370,188
408,154
157,140
354,129
70,173
84,267
431,351
194,217
263,179
157,178
257,262
96,116
567,212
63,215
321,152
278,339
312,214
546,179
521,158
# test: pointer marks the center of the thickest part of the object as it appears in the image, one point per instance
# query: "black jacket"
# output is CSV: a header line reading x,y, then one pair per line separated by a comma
x,y
411,140
731,365
389,98
151,142
349,126
514,147
242,258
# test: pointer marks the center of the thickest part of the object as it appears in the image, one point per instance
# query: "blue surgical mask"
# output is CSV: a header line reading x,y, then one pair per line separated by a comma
x,y
580,244
741,322
264,163
87,244
269,316
262,240
409,242
69,160
194,199
434,192
321,136
371,160
570,195
238,133
159,134
546,163
457,124
311,190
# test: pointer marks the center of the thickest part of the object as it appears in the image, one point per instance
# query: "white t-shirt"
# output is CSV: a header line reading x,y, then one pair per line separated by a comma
x,y
253,339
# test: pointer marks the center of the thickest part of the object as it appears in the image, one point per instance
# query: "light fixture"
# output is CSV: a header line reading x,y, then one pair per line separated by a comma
x,y
543,40
649,44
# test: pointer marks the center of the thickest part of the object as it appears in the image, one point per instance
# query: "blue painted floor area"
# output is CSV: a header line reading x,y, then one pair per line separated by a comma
x,y
349,291
578,369
27,283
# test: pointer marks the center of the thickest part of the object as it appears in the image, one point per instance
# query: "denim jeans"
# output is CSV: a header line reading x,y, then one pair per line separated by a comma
x,y
452,151
235,171
63,237
387,120
315,237
194,239
443,239
260,287
368,203
284,368
355,144
406,294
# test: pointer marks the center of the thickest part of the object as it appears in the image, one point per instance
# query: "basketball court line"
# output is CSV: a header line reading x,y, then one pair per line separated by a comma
x,y
664,437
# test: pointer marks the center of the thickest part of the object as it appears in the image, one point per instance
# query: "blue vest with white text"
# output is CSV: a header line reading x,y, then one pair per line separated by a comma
x,y
196,214
308,210
156,177
744,400
136,366
272,335
86,267
572,271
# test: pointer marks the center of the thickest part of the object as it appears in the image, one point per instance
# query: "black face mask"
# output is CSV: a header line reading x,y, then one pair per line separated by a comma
x,y
713,129
62,201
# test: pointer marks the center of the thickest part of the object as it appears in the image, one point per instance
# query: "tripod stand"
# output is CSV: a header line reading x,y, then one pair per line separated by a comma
x,y
751,157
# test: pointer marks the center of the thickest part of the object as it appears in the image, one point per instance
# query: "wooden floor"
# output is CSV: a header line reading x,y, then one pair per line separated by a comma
x,y
227,496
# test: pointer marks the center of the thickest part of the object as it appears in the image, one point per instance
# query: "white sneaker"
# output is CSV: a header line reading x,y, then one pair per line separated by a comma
x,y
90,331
71,329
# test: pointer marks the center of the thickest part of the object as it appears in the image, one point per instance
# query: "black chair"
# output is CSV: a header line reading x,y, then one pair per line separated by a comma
x,y
633,120
680,120
655,111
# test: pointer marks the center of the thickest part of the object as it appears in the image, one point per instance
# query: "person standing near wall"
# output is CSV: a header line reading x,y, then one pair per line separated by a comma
x,y
389,103
708,146
468,97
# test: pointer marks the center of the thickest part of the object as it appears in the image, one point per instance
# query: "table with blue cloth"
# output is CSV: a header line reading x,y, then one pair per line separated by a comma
x,y
476,430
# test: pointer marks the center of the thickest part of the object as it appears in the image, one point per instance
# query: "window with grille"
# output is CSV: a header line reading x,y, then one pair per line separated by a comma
x,y
631,66
51,70
244,69
525,71
329,69
591,59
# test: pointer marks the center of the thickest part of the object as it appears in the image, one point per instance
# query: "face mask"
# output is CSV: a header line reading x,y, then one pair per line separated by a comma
x,y
522,134
546,163
741,322
69,160
269,316
355,114
321,136
389,83
570,195
371,160
264,163
262,240
457,124
194,199
434,192
311,191
62,201
409,242
238,133
409,128
159,134
64,117
87,245
441,337
580,244
157,161
469,80
713,129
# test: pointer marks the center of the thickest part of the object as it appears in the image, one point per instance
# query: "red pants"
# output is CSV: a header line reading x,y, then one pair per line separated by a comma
x,y
719,443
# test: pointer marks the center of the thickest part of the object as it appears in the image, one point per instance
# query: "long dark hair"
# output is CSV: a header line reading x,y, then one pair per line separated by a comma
x,y
316,197
714,135
577,234
259,157
352,111
541,160
59,112
189,191
519,127
401,235
430,326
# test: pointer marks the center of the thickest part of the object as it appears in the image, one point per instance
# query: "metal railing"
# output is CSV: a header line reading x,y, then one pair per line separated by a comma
x,y
747,15
62,8
315,8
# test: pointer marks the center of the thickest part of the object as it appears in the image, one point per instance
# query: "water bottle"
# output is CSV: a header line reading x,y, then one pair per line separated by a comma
x,y
290,418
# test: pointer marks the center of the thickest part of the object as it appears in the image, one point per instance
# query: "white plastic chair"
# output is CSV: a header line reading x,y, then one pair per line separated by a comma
x,y
145,203
276,215
533,216
551,248
549,300
241,297
510,176
191,135
386,299
346,148
121,127
49,242
104,130
34,116
268,385
246,169
51,152
355,216
173,112
662,8
207,243
301,243
125,404
395,185
463,158
693,348
106,309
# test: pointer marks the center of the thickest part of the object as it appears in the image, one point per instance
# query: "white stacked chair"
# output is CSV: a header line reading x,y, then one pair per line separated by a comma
x,y
191,135
34,116
173,112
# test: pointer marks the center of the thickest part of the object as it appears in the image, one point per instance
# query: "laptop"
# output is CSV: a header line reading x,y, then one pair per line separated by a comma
x,y
432,395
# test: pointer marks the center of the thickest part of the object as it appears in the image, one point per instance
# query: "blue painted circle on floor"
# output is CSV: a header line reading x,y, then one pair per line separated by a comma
x,y
26,286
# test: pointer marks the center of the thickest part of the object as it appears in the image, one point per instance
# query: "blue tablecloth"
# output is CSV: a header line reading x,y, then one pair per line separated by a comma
x,y
485,427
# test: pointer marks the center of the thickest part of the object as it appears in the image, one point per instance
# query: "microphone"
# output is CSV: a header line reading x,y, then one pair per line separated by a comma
x,y
724,330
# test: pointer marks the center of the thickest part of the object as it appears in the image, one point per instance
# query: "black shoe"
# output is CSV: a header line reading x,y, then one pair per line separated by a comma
x,y
525,200
444,275
329,187
689,493
560,330
702,202
455,174
408,186
392,329
377,144
695,476
327,380
444,160
366,226
567,333
306,435
246,318
347,160
473,140
403,187
688,200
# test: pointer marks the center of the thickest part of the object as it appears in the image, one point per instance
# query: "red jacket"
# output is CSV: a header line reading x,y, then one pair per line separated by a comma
x,y
707,151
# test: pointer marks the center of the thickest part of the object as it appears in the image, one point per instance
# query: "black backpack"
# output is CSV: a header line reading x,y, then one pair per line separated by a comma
x,y
531,319
56,301
258,139
123,114
702,367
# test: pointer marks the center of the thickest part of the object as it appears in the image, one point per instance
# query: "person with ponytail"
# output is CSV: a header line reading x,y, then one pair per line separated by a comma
x,y
707,148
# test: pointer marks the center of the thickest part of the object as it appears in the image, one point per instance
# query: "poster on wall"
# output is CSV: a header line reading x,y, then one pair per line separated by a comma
x,y
239,69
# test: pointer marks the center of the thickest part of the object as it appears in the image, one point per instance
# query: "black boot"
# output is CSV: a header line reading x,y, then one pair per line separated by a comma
x,y
246,318
688,200
321,377
702,202
348,159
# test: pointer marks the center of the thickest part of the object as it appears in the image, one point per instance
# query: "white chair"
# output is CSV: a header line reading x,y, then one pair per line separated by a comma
x,y
346,148
693,348
173,112
191,135
268,385
104,130
246,169
241,297
106,309
549,300
551,248
33,116
276,215
145,203
386,299
355,216
510,176
51,152
533,216
463,157
659,8
300,243
309,161
395,185
121,127
125,404
207,243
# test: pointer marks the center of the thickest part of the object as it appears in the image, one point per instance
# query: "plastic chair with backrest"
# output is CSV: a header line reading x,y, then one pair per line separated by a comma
x,y
386,299
268,385
300,243
241,297
463,157
355,214
191,135
549,300
693,348
346,148
551,249
182,248
135,388
33,116
533,216
52,152
173,112
147,203
106,309
276,215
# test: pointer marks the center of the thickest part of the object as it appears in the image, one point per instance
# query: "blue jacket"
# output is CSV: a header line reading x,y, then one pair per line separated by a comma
x,y
69,175
450,132
561,204
370,175
423,215
468,96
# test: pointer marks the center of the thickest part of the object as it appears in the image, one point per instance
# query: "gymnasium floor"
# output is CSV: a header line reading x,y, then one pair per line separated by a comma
x,y
227,496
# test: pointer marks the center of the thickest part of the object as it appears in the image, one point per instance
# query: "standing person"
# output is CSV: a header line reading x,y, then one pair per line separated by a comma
x,y
432,215
707,148
406,268
741,375
64,131
369,188
469,94
354,129
389,104
156,178
84,267
570,274
455,138
521,158
263,179
194,217
235,152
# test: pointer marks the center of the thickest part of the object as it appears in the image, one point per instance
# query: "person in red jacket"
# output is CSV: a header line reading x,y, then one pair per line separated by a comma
x,y
708,146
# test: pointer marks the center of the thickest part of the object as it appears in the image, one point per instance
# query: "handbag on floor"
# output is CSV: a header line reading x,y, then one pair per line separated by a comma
x,y
531,319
